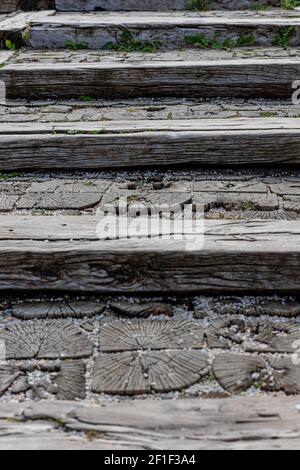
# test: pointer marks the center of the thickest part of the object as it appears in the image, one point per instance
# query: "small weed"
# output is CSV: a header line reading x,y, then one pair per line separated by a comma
x,y
39,212
211,376
246,40
127,42
213,42
10,45
92,435
283,37
256,6
85,98
197,5
26,36
80,132
289,4
247,206
268,114
259,385
9,175
76,46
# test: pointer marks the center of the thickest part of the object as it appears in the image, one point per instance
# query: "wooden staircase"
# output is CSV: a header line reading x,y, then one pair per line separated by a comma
x,y
167,108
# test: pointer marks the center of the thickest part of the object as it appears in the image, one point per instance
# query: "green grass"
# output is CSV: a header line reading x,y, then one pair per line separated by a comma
x,y
268,114
76,46
289,4
10,45
197,5
85,98
283,37
5,176
127,42
247,206
245,40
213,42
256,6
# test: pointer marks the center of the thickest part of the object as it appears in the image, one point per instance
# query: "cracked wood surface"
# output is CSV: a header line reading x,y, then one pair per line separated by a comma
x,y
44,340
62,76
144,144
234,423
251,199
134,357
66,111
249,256
167,30
50,310
153,5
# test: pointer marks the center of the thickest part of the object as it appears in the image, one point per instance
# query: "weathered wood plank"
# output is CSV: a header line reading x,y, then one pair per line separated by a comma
x,y
236,257
146,144
139,372
166,30
232,423
232,78
153,5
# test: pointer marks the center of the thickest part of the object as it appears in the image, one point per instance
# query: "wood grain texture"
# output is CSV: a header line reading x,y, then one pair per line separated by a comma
x,y
50,310
236,257
231,423
44,340
138,335
152,5
167,30
144,144
137,372
232,78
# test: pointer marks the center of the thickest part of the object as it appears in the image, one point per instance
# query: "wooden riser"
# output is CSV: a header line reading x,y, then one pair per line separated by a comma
x,y
157,5
164,30
231,78
134,144
152,30
236,257
8,6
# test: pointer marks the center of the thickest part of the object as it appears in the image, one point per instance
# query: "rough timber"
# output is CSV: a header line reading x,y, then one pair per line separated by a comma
x,y
87,321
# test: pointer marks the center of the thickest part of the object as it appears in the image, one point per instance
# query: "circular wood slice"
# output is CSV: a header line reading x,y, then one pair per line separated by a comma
x,y
45,339
47,310
146,334
132,373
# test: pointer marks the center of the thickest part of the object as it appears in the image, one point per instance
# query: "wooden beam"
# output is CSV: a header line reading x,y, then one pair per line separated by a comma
x,y
107,145
229,423
233,78
236,257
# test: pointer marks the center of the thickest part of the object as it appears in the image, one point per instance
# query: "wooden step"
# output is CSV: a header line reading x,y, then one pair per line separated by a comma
x,y
64,253
239,423
41,75
158,5
134,144
149,30
8,6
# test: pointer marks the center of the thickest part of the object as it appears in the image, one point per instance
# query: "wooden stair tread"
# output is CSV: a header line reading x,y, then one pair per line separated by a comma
x,y
236,257
129,144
